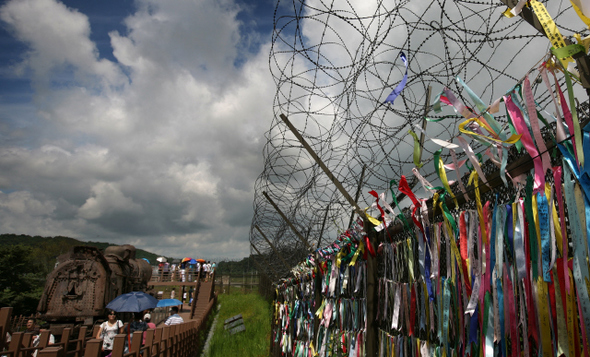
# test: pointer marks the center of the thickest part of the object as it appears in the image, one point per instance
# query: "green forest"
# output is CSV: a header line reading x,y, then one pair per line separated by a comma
x,y
25,262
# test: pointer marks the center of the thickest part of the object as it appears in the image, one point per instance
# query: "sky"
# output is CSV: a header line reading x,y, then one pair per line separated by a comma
x,y
138,122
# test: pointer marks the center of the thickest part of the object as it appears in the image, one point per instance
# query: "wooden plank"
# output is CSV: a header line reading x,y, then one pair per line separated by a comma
x,y
237,329
233,324
233,318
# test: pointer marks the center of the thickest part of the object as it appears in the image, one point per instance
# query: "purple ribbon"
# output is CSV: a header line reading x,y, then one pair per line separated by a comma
x,y
391,97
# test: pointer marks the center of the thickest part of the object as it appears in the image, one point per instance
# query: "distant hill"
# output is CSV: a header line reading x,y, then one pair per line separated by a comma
x,y
236,267
47,249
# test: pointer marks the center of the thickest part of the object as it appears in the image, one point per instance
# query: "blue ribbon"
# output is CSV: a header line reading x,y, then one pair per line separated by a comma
x,y
391,97
509,229
543,210
493,237
474,326
427,264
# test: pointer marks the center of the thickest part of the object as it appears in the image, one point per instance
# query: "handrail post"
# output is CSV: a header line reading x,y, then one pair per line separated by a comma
x,y
119,345
80,341
5,314
93,348
52,351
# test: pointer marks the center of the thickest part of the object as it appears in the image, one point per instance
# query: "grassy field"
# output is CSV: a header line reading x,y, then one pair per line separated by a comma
x,y
255,341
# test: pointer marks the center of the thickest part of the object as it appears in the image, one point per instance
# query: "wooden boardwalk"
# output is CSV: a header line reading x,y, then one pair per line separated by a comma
x,y
164,341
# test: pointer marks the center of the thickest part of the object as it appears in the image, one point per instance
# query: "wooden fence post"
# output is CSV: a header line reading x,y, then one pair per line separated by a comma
x,y
136,340
93,348
65,338
16,344
119,345
5,313
51,351
166,342
95,330
80,345
43,339
157,342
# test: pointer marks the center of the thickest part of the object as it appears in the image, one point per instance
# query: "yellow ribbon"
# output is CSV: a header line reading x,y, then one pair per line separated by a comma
x,y
339,258
556,223
562,338
544,321
473,179
581,14
445,181
313,352
550,28
508,13
514,138
583,41
410,259
320,312
360,249
372,219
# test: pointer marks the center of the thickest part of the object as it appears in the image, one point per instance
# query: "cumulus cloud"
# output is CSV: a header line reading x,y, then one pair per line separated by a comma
x,y
159,147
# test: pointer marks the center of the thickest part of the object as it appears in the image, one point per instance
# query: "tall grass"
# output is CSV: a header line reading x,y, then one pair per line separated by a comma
x,y
255,341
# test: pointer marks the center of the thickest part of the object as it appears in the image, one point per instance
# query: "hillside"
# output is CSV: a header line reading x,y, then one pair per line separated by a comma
x,y
47,249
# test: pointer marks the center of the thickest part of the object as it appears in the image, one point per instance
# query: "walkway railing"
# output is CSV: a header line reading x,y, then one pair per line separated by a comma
x,y
177,340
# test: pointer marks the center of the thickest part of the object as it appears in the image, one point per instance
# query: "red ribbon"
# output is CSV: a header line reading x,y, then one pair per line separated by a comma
x,y
405,189
369,247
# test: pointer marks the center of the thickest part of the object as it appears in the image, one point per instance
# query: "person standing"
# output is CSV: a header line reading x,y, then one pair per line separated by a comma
x,y
197,270
108,330
173,293
190,296
147,318
173,272
31,327
206,267
174,318
166,269
136,324
182,272
37,338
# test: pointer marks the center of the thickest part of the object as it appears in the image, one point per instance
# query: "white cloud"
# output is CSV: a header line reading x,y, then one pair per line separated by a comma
x,y
107,198
58,37
160,147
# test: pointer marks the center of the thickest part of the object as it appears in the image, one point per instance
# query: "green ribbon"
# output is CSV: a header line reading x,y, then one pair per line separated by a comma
x,y
417,150
567,51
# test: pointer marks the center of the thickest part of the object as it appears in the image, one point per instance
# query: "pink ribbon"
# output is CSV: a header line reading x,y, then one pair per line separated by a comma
x,y
527,141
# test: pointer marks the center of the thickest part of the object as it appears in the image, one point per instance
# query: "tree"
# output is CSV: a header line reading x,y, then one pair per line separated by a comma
x,y
21,279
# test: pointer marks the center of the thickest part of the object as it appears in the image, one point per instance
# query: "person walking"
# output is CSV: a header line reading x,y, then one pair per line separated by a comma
x,y
147,318
174,318
108,330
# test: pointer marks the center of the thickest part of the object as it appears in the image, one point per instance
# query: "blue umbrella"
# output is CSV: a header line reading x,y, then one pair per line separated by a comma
x,y
135,301
192,261
146,260
169,302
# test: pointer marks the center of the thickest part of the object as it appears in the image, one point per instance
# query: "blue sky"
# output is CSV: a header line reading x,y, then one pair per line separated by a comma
x,y
135,122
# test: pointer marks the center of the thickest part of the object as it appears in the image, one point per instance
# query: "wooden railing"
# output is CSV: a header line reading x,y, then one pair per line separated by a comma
x,y
177,340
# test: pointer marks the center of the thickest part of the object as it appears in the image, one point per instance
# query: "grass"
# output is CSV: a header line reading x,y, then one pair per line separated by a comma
x,y
255,341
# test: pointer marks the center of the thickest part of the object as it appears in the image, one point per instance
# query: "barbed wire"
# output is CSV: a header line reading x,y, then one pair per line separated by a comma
x,y
334,64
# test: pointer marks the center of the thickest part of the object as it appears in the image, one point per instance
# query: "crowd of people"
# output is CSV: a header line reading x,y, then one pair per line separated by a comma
x,y
186,271
33,328
140,321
